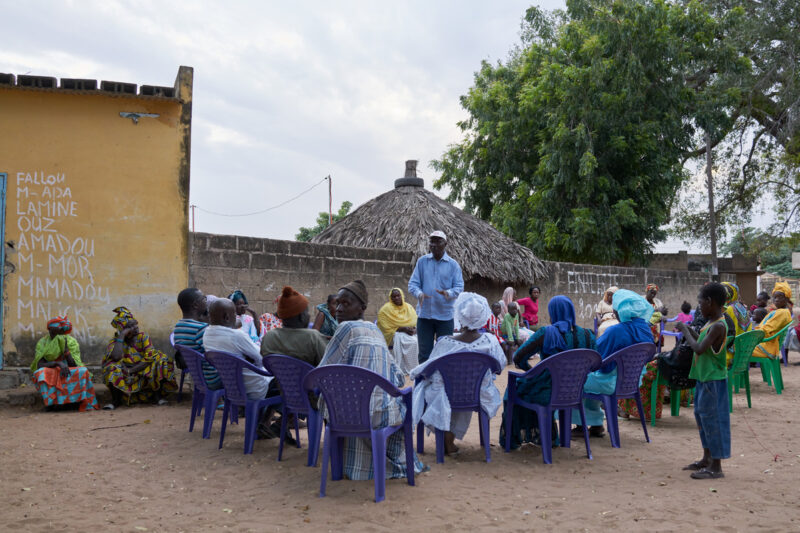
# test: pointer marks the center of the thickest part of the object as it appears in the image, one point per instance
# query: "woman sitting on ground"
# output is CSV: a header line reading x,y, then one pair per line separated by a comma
x,y
563,334
397,320
473,311
325,322
251,324
605,311
57,370
775,321
133,369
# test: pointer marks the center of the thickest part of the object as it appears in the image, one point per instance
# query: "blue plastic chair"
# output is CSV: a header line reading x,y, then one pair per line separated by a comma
x,y
568,371
230,369
183,370
290,373
630,362
347,391
463,374
202,397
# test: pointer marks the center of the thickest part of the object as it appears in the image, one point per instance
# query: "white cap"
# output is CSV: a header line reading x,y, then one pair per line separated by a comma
x,y
439,234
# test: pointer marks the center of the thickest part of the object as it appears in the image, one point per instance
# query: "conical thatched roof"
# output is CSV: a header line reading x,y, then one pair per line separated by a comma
x,y
402,219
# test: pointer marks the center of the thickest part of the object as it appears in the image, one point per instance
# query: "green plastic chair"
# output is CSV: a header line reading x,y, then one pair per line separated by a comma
x,y
771,368
674,394
739,372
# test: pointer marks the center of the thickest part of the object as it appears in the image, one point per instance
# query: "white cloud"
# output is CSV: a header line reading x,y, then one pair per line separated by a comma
x,y
285,93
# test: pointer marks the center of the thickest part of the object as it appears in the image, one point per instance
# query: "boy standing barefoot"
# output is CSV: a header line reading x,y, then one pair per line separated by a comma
x,y
710,371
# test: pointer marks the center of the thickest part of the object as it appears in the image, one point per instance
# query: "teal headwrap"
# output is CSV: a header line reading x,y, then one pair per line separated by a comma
x,y
630,305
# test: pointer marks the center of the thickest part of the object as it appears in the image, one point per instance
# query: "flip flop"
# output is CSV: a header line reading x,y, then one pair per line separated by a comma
x,y
707,474
696,466
109,407
162,401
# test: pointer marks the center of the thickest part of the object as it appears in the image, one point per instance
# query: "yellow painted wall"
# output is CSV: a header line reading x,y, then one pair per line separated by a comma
x,y
95,216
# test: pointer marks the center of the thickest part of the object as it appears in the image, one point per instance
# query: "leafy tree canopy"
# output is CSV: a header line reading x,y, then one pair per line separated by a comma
x,y
575,145
306,234
775,251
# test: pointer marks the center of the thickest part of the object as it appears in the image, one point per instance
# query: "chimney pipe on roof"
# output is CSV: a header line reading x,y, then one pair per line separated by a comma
x,y
410,178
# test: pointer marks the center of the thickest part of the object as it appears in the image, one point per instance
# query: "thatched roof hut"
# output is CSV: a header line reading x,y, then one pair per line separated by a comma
x,y
402,219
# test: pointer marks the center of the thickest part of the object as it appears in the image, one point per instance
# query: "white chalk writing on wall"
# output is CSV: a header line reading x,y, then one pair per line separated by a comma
x,y
593,283
55,269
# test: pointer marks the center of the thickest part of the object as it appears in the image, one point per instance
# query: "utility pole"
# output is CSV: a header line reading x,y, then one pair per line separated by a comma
x,y
330,200
712,216
192,206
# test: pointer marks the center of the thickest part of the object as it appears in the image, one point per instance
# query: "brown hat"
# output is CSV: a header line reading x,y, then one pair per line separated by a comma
x,y
291,303
358,288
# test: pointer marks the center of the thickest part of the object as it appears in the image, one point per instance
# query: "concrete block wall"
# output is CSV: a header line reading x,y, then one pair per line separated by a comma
x,y
219,264
586,284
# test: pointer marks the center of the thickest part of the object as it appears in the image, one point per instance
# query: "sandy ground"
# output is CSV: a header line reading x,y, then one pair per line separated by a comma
x,y
82,471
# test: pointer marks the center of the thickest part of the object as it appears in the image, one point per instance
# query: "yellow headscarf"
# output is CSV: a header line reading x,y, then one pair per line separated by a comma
x,y
391,316
783,287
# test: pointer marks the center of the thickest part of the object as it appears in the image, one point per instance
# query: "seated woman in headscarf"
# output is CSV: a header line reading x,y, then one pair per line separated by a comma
x,y
325,322
133,369
473,311
561,335
251,324
658,310
775,321
605,311
397,320
633,315
57,370
738,315
360,343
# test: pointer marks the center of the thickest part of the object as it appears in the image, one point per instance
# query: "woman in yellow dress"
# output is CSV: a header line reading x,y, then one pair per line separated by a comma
x,y
132,368
775,321
397,320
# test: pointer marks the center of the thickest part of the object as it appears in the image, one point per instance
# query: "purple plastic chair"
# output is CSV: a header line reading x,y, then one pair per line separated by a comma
x,y
662,331
462,373
630,362
202,397
230,369
290,373
347,391
568,371
178,364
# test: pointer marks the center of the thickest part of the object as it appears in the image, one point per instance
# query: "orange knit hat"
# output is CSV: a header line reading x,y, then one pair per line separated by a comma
x,y
291,303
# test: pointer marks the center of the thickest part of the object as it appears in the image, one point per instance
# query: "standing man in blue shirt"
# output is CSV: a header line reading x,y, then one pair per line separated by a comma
x,y
435,283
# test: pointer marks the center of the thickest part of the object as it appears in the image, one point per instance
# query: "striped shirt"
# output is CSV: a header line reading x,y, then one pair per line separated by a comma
x,y
189,333
493,327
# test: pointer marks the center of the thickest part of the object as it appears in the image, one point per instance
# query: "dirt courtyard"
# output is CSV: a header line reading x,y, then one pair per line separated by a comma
x,y
139,469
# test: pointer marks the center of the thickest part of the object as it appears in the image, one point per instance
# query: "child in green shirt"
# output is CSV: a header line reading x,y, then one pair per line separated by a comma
x,y
710,370
510,330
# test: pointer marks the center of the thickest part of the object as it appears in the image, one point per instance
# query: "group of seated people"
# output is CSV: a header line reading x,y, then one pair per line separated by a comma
x,y
135,371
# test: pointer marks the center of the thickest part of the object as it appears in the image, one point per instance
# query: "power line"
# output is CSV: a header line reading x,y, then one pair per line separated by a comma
x,y
267,209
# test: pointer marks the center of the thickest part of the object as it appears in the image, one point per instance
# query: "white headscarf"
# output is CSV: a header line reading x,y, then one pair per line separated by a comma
x,y
472,310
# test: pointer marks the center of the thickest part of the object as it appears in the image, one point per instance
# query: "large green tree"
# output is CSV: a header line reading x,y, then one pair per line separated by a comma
x,y
757,147
306,234
575,145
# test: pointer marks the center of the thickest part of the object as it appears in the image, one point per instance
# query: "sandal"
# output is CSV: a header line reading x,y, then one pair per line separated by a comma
x,y
705,473
696,466
109,407
162,402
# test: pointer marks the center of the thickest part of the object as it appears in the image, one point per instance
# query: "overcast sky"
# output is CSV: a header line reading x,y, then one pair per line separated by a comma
x,y
285,93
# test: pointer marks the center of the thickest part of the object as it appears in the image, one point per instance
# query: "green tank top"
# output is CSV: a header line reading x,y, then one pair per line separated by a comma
x,y
710,365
